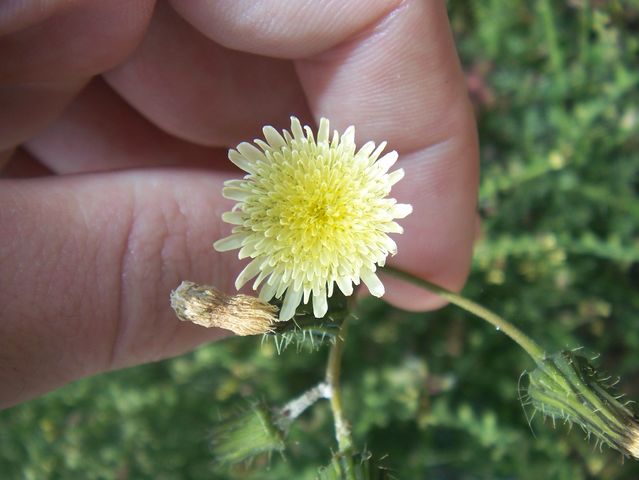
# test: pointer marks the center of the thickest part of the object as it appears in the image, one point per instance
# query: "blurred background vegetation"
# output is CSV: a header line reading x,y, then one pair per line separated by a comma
x,y
556,90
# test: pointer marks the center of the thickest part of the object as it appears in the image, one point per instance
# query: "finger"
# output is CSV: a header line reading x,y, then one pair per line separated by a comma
x,y
285,30
88,263
391,69
100,131
23,165
411,93
201,92
17,15
27,108
5,157
79,41
45,65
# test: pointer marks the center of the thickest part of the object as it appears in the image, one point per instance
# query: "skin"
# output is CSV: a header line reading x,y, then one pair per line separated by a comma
x,y
115,121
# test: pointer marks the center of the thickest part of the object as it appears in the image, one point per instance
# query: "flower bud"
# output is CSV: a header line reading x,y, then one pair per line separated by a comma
x,y
565,385
249,433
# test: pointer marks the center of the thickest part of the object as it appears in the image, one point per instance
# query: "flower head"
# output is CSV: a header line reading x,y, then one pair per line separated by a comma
x,y
312,213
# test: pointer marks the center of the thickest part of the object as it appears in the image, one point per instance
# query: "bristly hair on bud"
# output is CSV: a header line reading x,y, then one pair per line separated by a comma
x,y
250,432
565,385
205,305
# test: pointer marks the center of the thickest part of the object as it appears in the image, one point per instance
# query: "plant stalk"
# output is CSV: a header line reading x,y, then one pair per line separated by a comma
x,y
293,409
333,369
525,342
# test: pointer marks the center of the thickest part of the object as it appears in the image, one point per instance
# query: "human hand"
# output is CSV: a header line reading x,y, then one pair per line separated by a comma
x,y
154,95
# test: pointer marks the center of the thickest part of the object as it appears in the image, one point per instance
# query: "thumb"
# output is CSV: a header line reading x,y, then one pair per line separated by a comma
x,y
88,263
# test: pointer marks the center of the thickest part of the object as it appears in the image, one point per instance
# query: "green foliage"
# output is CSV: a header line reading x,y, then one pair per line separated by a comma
x,y
556,86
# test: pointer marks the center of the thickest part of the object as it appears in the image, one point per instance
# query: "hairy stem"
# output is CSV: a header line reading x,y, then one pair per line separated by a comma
x,y
333,368
525,342
293,409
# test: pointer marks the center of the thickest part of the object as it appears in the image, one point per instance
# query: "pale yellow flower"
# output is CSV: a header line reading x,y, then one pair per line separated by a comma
x,y
312,213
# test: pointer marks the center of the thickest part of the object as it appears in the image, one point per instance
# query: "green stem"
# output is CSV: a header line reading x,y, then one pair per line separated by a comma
x,y
333,368
525,342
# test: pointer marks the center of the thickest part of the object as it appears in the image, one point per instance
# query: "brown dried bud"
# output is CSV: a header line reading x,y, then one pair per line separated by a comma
x,y
207,306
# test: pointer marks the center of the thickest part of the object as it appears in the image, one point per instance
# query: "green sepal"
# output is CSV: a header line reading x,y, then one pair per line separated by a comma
x,y
307,332
565,385
250,432
358,466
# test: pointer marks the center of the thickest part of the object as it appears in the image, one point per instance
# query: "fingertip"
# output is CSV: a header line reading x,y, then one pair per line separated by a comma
x,y
282,29
438,238
77,42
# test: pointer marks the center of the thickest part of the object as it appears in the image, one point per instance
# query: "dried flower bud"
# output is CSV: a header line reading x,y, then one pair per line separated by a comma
x,y
565,385
249,433
207,306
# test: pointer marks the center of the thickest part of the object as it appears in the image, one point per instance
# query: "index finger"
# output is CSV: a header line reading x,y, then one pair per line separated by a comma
x,y
400,81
